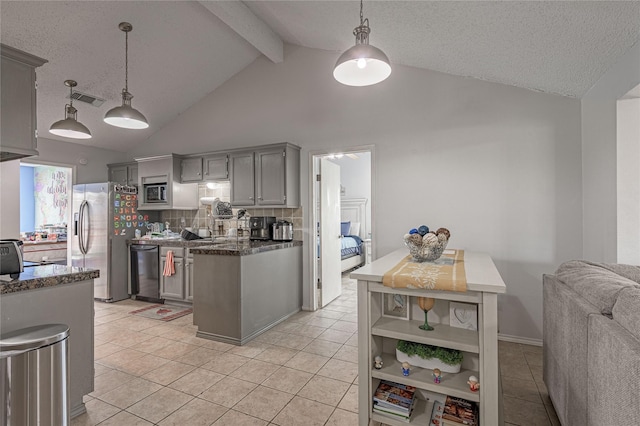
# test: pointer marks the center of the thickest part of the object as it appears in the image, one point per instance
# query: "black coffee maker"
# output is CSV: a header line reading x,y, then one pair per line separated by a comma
x,y
261,227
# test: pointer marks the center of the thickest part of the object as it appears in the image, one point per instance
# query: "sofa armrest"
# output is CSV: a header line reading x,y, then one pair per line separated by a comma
x,y
565,336
614,374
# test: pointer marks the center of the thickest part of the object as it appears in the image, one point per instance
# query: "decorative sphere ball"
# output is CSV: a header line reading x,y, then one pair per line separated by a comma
x,y
407,237
442,237
444,231
413,231
429,239
416,239
423,230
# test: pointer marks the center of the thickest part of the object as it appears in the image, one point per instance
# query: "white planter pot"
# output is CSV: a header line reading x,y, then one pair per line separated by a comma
x,y
429,363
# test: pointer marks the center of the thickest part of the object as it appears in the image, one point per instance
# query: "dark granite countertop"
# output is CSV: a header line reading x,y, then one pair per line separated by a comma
x,y
171,242
244,248
220,247
46,276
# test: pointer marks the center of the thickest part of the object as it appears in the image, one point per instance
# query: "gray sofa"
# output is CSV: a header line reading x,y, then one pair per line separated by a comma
x,y
591,352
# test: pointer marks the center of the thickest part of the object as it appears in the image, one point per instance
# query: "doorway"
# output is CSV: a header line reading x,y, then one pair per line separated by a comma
x,y
342,190
45,211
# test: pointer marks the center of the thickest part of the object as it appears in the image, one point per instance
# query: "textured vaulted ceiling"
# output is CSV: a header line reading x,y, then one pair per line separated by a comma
x,y
181,51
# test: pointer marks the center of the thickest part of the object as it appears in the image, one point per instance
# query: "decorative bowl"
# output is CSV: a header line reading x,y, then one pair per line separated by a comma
x,y
427,248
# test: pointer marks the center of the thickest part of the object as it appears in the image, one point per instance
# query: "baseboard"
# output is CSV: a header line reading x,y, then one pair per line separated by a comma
x,y
77,410
522,340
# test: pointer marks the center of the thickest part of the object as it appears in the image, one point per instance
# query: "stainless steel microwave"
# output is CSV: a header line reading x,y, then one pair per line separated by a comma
x,y
155,193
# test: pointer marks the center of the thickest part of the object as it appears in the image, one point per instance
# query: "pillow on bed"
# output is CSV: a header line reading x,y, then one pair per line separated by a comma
x,y
344,228
355,228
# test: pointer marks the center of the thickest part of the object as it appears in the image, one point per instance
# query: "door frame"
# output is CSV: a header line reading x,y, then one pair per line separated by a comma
x,y
312,301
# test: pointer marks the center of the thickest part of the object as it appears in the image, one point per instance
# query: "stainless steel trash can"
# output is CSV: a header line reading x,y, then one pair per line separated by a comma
x,y
34,376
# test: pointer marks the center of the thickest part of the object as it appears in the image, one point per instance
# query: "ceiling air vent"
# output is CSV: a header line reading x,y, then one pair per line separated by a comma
x,y
89,99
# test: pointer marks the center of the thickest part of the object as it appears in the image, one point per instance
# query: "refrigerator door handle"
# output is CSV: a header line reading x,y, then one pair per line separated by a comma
x,y
81,230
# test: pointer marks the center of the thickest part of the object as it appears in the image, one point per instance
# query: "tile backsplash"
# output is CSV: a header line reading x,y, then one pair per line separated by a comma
x,y
201,218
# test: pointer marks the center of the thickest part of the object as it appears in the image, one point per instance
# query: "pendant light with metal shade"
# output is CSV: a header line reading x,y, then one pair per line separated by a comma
x,y
70,127
126,116
363,64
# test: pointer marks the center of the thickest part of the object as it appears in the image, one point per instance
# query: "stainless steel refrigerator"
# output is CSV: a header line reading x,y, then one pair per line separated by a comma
x,y
105,215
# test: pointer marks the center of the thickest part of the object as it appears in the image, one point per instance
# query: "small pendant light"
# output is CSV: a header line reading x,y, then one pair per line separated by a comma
x,y
126,116
363,64
70,127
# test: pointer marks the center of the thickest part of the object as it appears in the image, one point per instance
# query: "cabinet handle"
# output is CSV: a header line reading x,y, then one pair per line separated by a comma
x,y
260,198
251,198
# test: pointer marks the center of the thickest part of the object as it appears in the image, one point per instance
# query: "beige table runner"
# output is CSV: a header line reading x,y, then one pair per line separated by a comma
x,y
445,273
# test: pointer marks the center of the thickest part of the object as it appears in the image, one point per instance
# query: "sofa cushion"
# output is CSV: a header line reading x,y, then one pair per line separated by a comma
x,y
631,272
596,282
626,311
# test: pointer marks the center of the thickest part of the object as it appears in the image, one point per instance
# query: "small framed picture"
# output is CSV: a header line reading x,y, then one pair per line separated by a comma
x,y
395,306
463,315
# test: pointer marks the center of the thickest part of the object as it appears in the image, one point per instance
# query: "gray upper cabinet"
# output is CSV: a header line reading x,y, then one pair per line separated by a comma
x,y
124,173
268,177
18,136
191,169
241,166
216,167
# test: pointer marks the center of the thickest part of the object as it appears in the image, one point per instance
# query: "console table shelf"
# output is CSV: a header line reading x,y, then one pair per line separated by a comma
x,y
378,335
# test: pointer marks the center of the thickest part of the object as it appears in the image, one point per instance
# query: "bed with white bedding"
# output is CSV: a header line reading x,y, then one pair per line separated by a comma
x,y
352,228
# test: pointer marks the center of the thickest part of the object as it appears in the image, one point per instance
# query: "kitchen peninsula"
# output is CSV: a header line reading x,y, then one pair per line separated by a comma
x,y
56,294
243,289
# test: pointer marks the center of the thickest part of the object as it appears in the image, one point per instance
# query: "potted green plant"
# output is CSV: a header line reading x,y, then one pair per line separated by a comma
x,y
427,356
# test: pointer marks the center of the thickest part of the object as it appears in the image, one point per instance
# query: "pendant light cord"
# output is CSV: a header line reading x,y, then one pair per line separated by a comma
x,y
126,61
361,16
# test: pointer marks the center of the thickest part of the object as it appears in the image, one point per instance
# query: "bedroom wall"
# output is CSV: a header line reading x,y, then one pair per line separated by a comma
x,y
599,159
355,177
497,165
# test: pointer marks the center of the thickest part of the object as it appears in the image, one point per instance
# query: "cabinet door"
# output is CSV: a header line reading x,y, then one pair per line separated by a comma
x,y
242,179
271,177
132,173
118,174
172,287
191,169
216,167
18,105
188,279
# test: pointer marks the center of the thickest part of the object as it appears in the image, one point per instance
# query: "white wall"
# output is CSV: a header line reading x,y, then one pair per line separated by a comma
x,y
497,165
628,181
71,154
599,156
68,154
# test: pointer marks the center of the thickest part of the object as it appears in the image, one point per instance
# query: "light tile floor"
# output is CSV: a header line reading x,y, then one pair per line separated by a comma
x,y
302,372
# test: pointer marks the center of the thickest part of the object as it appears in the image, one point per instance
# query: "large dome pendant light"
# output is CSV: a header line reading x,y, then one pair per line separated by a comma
x,y
363,64
70,127
126,116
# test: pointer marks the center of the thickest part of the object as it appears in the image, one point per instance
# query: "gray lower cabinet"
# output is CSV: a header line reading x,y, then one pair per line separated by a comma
x,y
179,286
188,279
239,297
18,106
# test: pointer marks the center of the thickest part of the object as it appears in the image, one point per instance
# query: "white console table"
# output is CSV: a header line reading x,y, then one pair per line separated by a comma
x,y
377,335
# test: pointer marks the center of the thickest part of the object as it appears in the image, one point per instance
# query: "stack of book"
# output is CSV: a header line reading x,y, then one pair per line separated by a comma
x,y
394,400
458,411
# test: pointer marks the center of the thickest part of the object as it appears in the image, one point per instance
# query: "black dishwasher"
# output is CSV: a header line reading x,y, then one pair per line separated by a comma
x,y
145,276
